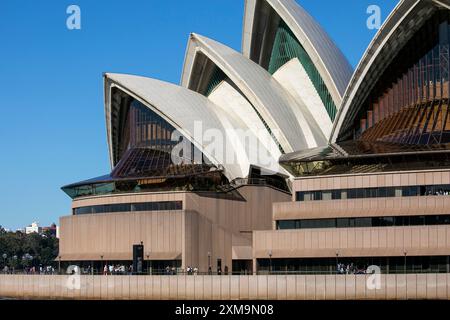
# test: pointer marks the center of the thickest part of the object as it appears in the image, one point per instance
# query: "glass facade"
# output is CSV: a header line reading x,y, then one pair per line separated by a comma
x,y
210,181
286,47
380,192
409,103
145,129
356,265
356,156
365,222
146,158
216,78
140,127
130,207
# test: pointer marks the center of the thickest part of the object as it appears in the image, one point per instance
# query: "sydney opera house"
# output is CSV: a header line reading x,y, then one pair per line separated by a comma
x,y
317,164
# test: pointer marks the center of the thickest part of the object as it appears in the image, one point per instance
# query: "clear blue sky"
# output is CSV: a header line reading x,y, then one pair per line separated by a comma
x,y
52,129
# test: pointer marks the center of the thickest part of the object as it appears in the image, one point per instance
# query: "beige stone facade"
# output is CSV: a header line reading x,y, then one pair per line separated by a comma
x,y
426,240
219,224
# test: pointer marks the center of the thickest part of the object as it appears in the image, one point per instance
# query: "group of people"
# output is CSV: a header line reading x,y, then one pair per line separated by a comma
x,y
31,270
117,269
190,270
194,271
120,269
441,192
349,269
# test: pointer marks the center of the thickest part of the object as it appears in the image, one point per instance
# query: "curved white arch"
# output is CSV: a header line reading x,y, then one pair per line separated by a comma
x,y
277,107
260,148
331,63
294,79
406,18
182,108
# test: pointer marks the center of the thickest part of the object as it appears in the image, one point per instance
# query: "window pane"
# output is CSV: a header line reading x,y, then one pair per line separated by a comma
x,y
336,194
326,195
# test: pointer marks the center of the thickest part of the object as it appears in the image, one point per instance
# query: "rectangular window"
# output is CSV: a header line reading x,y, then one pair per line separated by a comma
x,y
327,195
308,196
128,207
422,190
406,191
344,194
351,193
336,194
300,196
343,223
286,224
363,222
414,191
359,193
416,220
317,195
387,221
390,192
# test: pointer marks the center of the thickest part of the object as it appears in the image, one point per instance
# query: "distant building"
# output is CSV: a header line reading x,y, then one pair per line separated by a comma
x,y
53,229
33,228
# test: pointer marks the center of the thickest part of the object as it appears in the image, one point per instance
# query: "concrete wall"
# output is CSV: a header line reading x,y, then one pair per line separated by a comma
x,y
112,235
280,287
371,180
353,242
209,222
359,242
368,207
223,223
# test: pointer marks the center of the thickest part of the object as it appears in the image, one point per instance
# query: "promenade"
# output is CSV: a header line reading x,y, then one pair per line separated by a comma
x,y
226,287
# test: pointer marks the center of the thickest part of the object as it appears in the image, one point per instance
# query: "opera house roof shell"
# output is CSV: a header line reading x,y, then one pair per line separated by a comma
x,y
293,92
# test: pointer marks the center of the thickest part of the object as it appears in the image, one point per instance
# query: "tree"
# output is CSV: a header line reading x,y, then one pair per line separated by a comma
x,y
15,245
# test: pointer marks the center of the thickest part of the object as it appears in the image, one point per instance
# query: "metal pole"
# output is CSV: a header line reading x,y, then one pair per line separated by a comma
x,y
405,262
209,261
270,262
337,262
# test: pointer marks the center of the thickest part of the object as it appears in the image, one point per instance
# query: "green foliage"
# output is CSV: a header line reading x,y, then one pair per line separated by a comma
x,y
43,248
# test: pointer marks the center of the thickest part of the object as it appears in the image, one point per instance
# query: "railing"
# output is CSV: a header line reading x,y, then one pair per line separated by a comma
x,y
253,287
238,273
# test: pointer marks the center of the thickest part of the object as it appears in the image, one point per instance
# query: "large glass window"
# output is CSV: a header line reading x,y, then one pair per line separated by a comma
x,y
285,48
413,86
129,207
363,222
355,265
381,192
